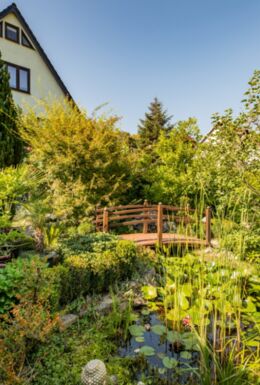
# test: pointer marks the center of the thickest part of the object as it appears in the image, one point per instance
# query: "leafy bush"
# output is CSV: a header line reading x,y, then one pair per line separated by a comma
x,y
95,242
30,278
29,324
88,162
10,282
13,241
94,262
29,293
15,183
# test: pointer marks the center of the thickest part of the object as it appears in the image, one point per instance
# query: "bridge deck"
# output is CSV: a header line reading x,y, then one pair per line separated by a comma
x,y
150,239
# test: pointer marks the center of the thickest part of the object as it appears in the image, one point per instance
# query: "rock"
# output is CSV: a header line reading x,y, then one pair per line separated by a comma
x,y
67,320
123,306
138,302
83,311
133,285
105,305
52,257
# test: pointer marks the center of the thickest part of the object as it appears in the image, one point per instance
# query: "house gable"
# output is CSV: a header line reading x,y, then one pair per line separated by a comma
x,y
28,54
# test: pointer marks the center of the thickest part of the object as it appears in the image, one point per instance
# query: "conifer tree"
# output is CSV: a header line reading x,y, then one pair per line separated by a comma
x,y
11,147
155,121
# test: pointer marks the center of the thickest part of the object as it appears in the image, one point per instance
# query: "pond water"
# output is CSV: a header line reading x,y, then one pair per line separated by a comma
x,y
178,370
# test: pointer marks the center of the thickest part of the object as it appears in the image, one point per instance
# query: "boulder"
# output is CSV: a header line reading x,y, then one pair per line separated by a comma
x,y
67,320
105,306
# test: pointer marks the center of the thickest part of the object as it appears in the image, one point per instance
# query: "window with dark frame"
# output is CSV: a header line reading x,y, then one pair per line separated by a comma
x,y
12,33
19,78
1,29
25,41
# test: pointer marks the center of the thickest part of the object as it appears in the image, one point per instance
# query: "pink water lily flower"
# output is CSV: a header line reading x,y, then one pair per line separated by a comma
x,y
186,321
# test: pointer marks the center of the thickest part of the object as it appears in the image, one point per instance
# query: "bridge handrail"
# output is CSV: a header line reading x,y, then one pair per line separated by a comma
x,y
147,214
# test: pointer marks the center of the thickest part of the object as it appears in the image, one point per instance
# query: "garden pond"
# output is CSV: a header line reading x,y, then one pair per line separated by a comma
x,y
199,308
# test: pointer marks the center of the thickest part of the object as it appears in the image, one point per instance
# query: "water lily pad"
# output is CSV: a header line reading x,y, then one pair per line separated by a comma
x,y
145,312
186,355
161,370
147,350
133,317
169,362
149,292
139,339
161,355
173,336
136,330
159,329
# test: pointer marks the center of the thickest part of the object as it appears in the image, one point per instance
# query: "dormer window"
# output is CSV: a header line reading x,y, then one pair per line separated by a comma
x,y
12,33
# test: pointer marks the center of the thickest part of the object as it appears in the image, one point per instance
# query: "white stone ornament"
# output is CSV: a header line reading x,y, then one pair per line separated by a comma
x,y
94,373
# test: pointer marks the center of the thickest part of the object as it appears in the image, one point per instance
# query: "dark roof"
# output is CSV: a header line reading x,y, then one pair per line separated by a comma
x,y
13,9
205,137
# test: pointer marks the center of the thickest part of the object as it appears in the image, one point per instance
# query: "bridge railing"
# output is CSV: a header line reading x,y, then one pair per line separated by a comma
x,y
142,216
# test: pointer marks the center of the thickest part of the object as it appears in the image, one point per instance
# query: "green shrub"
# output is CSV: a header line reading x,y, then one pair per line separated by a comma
x,y
94,242
13,241
95,262
31,278
10,282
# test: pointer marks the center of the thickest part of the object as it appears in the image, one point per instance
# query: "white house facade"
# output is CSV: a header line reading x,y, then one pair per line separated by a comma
x,y
32,76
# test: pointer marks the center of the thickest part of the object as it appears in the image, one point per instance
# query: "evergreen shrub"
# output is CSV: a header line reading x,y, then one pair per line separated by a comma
x,y
95,262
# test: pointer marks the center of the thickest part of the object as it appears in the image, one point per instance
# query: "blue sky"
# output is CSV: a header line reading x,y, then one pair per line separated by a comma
x,y
196,56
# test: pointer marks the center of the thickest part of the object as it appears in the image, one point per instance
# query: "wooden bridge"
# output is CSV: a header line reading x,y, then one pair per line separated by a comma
x,y
156,224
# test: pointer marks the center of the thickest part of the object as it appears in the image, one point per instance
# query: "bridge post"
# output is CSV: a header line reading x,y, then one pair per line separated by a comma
x,y
105,220
145,225
159,223
208,226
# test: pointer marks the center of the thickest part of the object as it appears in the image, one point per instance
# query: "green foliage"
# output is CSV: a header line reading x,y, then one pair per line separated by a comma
x,y
209,303
10,281
227,166
155,122
27,325
15,183
30,278
94,242
11,147
85,160
60,361
93,267
14,241
170,178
